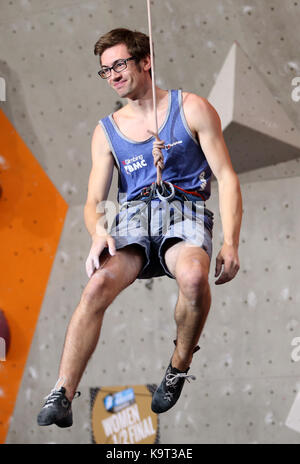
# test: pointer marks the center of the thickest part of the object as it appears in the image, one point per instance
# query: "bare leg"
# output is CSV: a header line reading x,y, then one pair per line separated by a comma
x,y
190,265
84,328
190,317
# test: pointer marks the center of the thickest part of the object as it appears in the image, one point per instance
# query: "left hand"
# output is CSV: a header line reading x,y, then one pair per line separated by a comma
x,y
228,256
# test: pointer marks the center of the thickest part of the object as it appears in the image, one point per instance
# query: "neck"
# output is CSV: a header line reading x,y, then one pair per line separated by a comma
x,y
142,105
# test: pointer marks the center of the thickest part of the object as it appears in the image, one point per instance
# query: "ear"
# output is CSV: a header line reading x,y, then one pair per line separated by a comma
x,y
146,63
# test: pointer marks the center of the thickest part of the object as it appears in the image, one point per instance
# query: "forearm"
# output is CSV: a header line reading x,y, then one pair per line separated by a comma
x,y
231,208
95,222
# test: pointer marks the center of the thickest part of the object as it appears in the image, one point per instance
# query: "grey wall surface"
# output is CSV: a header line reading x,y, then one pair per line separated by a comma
x,y
246,380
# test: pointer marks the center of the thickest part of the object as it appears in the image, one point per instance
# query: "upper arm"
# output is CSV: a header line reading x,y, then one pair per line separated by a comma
x,y
102,167
204,120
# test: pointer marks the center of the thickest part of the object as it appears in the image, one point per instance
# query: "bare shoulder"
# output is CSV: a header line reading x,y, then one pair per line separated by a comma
x,y
100,145
198,111
189,97
191,100
99,134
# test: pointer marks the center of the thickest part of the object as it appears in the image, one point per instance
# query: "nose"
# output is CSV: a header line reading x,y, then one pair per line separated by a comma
x,y
115,75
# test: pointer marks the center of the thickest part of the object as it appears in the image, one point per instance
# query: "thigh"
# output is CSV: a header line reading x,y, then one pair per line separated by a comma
x,y
192,227
183,256
120,270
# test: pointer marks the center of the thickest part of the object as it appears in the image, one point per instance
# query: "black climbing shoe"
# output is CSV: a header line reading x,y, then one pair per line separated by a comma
x,y
57,409
167,394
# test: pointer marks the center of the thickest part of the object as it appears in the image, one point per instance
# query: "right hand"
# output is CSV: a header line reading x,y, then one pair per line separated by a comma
x,y
99,243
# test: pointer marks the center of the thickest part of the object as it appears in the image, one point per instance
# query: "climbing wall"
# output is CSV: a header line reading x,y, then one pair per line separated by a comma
x,y
257,131
32,217
246,379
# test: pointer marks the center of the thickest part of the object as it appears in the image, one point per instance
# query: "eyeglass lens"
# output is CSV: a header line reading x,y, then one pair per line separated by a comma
x,y
117,67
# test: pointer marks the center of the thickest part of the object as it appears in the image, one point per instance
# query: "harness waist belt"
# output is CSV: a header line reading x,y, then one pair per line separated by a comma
x,y
180,193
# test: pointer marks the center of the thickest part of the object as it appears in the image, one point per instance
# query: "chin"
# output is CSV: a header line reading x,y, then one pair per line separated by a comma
x,y
125,94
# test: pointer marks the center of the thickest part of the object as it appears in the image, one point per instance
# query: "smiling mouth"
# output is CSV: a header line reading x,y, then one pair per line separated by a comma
x,y
119,84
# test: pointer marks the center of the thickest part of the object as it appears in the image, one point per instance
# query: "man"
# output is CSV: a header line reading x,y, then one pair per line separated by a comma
x,y
135,247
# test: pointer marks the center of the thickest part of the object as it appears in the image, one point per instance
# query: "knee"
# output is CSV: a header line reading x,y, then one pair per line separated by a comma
x,y
193,281
98,293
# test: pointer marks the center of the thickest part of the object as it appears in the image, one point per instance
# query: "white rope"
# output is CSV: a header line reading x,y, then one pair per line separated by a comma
x,y
158,177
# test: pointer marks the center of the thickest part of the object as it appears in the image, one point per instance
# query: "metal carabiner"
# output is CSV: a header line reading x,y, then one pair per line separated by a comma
x,y
169,197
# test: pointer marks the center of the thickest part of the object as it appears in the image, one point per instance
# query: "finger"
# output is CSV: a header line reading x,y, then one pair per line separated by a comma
x,y
222,280
229,272
234,272
111,246
219,262
224,277
96,261
231,268
89,267
87,271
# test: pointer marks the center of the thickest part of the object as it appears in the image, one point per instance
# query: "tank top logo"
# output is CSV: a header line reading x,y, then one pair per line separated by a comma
x,y
134,163
170,145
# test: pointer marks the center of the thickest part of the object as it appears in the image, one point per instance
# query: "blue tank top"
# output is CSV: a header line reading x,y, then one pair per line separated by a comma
x,y
185,162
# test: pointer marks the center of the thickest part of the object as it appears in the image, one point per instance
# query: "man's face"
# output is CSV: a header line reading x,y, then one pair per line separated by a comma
x,y
126,82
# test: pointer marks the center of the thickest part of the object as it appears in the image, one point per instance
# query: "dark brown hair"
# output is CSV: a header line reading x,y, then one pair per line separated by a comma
x,y
137,43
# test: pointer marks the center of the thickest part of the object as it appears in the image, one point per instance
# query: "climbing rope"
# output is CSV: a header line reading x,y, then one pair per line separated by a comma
x,y
161,188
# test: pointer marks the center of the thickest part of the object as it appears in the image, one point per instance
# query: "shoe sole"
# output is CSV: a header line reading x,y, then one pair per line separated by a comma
x,y
161,411
62,423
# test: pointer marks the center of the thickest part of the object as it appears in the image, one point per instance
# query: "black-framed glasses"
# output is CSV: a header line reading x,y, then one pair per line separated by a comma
x,y
118,66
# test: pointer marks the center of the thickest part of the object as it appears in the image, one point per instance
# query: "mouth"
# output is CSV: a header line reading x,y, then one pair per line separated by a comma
x,y
119,84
